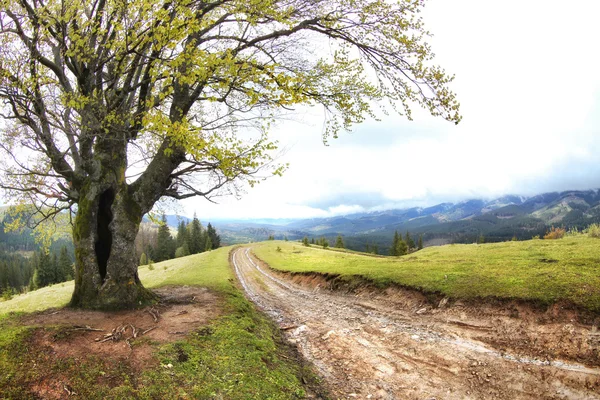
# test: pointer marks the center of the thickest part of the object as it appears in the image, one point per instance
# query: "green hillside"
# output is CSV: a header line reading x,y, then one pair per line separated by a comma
x,y
236,357
542,271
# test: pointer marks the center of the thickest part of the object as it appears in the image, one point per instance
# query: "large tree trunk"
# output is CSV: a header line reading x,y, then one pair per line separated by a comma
x,y
106,266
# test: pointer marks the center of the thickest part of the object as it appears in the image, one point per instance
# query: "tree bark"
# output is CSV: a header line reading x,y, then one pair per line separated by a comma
x,y
106,266
107,222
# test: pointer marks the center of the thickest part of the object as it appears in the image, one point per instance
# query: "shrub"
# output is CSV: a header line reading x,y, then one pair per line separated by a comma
x,y
593,231
555,233
8,294
278,249
151,265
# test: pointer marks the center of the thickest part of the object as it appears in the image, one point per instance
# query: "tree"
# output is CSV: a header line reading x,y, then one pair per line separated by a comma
x,y
120,104
305,241
339,242
208,244
45,271
215,239
65,265
420,243
143,259
410,243
394,247
196,242
324,243
374,249
401,248
165,250
182,233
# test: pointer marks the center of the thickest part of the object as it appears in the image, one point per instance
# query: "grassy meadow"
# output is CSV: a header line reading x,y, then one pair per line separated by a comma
x,y
541,271
239,358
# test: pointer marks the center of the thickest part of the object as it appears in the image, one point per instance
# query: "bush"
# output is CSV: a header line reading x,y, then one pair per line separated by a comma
x,y
278,249
555,233
151,265
593,231
8,294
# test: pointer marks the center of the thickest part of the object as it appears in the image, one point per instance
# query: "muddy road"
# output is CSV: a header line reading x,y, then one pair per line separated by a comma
x,y
393,345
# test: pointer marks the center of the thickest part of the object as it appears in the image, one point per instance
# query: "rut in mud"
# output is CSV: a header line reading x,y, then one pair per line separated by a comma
x,y
384,347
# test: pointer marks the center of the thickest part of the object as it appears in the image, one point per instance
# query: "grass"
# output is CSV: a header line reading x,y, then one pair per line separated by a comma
x,y
238,356
540,271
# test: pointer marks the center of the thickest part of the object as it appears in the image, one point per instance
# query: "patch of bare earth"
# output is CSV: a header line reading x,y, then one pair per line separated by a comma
x,y
125,338
394,343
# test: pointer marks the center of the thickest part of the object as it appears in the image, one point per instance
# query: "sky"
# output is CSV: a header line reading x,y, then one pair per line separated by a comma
x,y
528,83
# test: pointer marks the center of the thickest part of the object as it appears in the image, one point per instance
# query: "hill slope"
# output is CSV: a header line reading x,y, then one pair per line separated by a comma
x,y
234,355
541,271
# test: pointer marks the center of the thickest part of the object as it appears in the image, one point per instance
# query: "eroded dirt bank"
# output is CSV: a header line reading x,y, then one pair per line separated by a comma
x,y
395,345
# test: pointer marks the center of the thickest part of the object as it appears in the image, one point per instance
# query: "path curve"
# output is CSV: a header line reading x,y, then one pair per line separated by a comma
x,y
364,350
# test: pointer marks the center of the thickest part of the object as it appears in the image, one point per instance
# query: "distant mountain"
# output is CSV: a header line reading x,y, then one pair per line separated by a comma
x,y
497,219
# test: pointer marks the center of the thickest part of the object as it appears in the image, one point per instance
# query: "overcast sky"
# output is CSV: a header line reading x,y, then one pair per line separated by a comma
x,y
528,82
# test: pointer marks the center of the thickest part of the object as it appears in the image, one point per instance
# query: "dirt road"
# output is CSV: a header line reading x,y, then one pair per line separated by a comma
x,y
392,346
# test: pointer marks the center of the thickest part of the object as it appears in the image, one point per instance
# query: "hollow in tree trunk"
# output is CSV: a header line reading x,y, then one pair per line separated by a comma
x,y
106,224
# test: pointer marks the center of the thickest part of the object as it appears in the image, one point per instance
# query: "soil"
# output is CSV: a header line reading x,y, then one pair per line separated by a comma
x,y
66,333
395,343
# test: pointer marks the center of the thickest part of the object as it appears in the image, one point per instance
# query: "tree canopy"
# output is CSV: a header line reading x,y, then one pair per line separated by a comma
x,y
174,82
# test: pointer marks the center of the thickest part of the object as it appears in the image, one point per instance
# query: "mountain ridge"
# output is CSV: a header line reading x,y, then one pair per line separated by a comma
x,y
500,218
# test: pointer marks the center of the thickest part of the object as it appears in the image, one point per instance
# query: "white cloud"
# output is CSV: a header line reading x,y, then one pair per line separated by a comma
x,y
526,75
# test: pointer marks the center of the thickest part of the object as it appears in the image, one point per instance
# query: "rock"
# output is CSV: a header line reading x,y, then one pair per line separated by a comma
x,y
443,302
415,337
299,330
327,335
422,310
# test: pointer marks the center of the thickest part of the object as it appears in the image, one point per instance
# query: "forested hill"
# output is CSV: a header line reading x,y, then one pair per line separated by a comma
x,y
497,220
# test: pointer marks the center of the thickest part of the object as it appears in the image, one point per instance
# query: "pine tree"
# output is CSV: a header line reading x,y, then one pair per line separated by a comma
x,y
165,249
420,243
65,265
143,259
45,273
186,249
374,249
339,242
312,241
56,275
410,243
215,239
394,248
182,233
324,243
305,241
208,244
196,242
401,248
367,248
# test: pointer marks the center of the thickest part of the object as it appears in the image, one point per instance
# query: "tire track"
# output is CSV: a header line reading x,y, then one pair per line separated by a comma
x,y
364,351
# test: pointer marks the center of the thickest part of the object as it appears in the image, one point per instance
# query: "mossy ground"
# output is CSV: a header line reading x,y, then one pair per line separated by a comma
x,y
238,356
539,271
